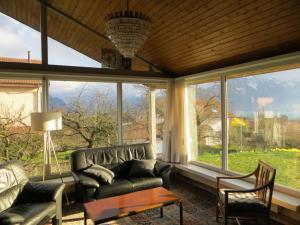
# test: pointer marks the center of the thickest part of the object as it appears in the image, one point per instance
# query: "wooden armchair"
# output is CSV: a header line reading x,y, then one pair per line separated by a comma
x,y
247,204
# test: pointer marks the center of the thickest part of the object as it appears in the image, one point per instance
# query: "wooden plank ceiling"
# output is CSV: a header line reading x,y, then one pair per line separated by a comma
x,y
186,37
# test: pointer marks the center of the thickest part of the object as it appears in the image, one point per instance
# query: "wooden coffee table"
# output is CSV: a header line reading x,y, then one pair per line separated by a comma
x,y
107,209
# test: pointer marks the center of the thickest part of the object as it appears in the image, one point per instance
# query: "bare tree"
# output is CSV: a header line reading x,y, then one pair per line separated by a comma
x,y
16,139
91,118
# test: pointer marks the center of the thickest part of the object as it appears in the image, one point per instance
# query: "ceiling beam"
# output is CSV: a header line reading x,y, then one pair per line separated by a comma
x,y
104,37
74,70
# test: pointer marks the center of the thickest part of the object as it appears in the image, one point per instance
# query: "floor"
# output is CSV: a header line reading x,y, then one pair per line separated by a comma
x,y
199,209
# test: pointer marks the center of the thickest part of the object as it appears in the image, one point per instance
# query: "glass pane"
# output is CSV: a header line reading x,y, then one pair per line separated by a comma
x,y
18,98
135,113
66,48
160,107
205,119
264,124
19,43
60,54
89,116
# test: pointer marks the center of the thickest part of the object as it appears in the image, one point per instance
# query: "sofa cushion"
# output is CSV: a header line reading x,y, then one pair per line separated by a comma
x,y
118,187
28,213
109,157
142,168
100,173
143,183
122,169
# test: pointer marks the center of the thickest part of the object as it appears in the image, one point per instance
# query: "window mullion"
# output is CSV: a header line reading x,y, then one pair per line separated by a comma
x,y
224,111
120,112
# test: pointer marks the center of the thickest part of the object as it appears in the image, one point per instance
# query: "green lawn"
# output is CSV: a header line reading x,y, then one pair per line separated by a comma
x,y
287,163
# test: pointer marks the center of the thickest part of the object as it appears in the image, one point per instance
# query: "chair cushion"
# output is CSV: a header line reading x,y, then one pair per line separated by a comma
x,y
146,183
12,181
118,187
243,202
100,173
142,168
28,213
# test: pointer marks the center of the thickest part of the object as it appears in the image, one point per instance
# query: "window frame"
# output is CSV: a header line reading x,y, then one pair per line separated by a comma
x,y
256,68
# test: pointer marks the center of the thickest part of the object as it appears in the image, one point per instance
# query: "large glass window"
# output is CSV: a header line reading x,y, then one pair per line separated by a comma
x,y
59,46
160,110
136,102
18,98
264,124
89,116
20,43
205,122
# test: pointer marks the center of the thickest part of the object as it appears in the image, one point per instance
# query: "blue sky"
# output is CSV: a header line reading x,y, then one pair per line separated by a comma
x,y
16,39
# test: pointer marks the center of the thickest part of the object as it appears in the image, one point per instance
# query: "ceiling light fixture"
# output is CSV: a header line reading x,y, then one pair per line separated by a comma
x,y
128,30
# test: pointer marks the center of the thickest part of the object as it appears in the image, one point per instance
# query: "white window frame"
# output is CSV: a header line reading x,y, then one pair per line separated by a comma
x,y
279,63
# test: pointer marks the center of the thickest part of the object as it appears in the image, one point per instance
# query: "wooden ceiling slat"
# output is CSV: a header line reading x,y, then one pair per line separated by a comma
x,y
186,35
212,31
231,37
294,35
210,54
172,31
176,15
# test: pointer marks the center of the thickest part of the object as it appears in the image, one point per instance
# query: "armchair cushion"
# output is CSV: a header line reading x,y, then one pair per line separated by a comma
x,y
161,167
240,202
142,168
40,192
28,213
100,173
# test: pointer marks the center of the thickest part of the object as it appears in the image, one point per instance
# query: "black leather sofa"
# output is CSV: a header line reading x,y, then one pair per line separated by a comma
x,y
118,160
24,202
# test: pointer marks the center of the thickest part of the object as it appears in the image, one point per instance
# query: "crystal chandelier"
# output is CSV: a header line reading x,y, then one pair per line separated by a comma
x,y
128,31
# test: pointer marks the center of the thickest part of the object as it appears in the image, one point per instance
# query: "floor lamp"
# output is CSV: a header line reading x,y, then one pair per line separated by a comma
x,y
47,122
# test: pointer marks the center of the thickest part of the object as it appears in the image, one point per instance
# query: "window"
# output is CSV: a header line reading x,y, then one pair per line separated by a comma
x,y
89,116
136,102
20,43
264,124
18,98
205,122
160,110
59,52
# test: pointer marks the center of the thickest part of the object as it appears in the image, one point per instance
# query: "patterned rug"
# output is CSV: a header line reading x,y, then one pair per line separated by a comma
x,y
198,205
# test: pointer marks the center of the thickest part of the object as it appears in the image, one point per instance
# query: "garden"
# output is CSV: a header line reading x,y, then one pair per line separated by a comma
x,y
285,160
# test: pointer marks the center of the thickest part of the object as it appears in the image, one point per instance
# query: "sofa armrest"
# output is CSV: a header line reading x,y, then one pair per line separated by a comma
x,y
163,170
41,192
85,180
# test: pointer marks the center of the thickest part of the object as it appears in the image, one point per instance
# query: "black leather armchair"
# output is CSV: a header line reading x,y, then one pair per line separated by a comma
x,y
118,160
25,202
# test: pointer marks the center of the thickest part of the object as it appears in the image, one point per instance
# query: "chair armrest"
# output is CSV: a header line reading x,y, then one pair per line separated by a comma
x,y
232,177
163,170
41,192
247,190
162,167
85,180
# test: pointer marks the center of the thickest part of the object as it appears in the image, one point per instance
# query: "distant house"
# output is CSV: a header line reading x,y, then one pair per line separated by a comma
x,y
20,95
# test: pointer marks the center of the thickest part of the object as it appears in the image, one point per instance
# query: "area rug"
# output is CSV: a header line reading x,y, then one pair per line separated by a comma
x,y
198,205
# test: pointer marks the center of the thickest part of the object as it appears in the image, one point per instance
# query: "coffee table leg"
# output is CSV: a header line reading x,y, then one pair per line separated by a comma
x,y
161,212
181,212
84,215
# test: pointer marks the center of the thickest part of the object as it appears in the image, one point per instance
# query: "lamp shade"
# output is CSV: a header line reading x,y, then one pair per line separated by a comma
x,y
46,121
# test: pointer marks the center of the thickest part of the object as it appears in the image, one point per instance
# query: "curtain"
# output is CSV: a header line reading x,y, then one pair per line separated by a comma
x,y
176,135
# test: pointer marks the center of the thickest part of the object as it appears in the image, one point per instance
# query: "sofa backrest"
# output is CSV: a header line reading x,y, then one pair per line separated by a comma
x,y
110,157
12,180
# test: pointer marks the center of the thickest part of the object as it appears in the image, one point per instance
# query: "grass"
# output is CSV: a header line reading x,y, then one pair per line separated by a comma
x,y
286,162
